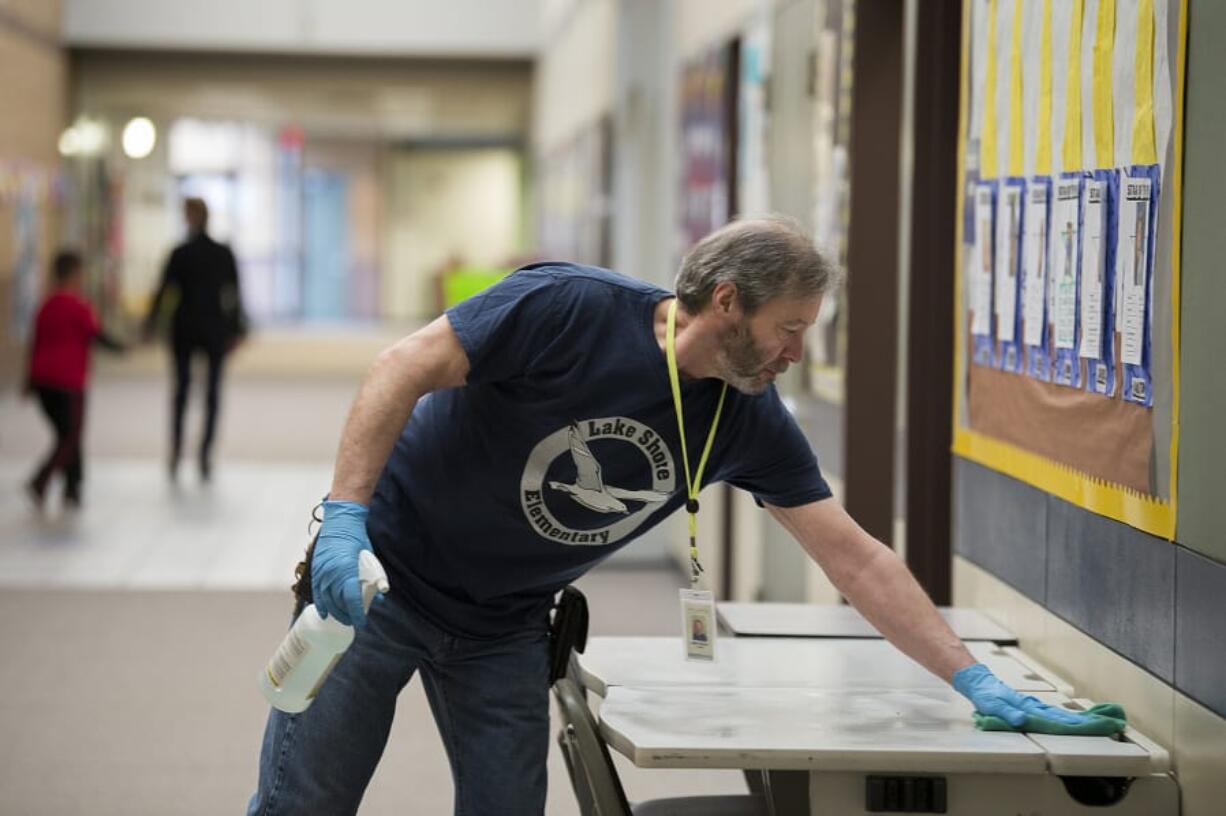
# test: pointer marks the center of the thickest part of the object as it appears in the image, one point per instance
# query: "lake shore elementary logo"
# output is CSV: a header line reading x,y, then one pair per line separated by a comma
x,y
615,510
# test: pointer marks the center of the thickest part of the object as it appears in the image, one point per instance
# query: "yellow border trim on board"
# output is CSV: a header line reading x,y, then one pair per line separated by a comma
x,y
1148,513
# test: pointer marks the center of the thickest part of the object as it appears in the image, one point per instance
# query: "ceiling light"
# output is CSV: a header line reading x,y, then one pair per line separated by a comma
x,y
70,142
91,136
139,137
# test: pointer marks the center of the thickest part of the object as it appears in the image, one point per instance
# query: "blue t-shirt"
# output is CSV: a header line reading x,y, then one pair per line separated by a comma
x,y
561,448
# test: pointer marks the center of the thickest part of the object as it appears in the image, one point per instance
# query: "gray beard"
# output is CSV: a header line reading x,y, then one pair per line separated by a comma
x,y
743,362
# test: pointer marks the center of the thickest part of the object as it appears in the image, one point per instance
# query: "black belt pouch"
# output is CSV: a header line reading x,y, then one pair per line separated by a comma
x,y
567,631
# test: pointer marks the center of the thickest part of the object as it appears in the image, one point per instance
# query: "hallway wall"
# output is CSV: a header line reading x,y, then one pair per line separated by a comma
x,y
1126,615
574,73
35,71
344,113
446,203
623,59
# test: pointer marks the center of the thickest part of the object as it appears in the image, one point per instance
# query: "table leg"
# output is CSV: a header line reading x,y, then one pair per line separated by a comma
x,y
786,791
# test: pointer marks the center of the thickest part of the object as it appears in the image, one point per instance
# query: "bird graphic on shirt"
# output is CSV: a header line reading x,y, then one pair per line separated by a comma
x,y
589,488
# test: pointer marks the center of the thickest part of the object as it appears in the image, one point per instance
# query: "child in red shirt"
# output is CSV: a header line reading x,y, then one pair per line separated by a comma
x,y
64,329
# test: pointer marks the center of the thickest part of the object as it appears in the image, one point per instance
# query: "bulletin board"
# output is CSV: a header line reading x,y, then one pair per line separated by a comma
x,y
832,81
708,142
32,198
1067,284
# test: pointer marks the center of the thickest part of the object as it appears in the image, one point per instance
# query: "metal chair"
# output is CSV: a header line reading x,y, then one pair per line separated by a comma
x,y
594,778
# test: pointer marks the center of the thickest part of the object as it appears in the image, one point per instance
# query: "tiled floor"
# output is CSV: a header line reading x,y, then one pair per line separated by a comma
x,y
245,530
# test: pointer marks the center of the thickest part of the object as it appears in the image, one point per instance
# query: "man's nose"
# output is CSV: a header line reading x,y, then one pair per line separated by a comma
x,y
794,350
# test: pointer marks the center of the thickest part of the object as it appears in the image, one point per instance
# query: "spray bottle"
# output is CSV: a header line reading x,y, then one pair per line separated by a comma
x,y
313,645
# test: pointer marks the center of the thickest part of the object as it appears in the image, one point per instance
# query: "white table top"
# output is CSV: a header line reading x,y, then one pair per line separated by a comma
x,y
917,731
813,663
841,621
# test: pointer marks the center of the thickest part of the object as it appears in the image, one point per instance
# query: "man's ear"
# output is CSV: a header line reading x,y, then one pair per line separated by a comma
x,y
724,299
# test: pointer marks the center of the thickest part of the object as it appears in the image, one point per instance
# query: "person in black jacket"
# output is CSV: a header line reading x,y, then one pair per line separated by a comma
x,y
207,317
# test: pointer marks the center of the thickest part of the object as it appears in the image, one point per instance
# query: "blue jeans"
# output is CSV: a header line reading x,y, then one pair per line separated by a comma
x,y
490,700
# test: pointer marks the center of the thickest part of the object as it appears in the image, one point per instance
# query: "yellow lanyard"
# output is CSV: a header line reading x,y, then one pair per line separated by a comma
x,y
694,484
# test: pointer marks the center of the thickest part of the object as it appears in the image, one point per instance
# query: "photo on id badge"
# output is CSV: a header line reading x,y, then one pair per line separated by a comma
x,y
698,625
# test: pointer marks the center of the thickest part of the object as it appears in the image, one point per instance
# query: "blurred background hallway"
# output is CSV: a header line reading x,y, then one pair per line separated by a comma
x,y
128,678
371,162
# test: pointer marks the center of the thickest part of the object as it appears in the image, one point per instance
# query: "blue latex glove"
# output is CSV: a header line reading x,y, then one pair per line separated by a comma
x,y
335,587
992,697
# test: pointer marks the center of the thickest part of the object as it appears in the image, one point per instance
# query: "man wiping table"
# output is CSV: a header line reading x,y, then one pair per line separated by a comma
x,y
500,452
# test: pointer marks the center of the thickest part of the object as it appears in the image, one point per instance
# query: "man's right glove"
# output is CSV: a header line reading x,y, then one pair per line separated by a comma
x,y
335,587
992,698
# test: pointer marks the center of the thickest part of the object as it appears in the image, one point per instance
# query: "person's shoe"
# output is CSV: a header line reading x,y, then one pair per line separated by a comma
x,y
206,470
72,500
172,470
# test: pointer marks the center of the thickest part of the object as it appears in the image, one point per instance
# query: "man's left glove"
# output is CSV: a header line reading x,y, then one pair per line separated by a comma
x,y
335,586
993,698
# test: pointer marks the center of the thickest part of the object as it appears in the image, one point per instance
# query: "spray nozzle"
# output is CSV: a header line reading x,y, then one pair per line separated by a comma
x,y
373,578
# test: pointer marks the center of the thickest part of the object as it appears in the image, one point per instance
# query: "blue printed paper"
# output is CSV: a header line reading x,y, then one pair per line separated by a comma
x,y
1035,260
1097,345
1006,274
1137,221
980,273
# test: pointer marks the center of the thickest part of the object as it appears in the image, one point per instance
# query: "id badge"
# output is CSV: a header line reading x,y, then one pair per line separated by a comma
x,y
698,624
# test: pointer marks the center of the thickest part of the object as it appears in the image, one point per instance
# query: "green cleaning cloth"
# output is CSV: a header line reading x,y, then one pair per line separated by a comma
x,y
1102,720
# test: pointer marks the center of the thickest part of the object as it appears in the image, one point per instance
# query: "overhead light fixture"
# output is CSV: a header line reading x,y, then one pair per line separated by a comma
x,y
84,137
70,141
91,136
139,137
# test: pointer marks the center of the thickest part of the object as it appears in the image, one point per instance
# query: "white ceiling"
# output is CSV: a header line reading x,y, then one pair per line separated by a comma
x,y
415,28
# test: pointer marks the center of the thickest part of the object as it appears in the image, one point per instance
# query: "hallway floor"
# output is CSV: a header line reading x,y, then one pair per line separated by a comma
x,y
135,627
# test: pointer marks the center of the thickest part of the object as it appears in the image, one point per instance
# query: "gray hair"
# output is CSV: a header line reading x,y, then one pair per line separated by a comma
x,y
766,258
